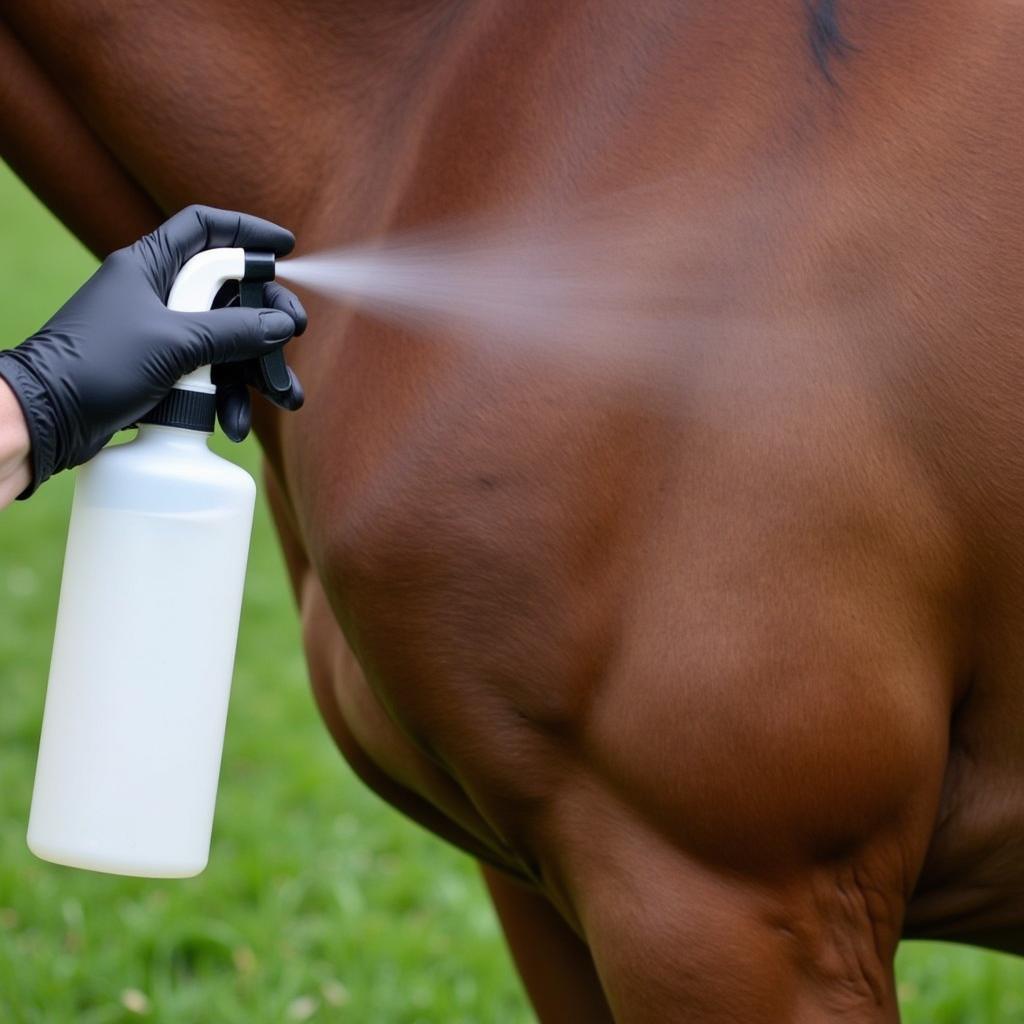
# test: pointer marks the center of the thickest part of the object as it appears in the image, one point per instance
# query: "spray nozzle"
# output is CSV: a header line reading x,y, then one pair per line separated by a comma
x,y
259,269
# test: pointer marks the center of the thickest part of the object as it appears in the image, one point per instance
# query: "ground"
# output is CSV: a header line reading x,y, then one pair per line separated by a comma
x,y
320,904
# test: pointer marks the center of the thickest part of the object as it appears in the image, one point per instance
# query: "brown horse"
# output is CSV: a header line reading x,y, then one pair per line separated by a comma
x,y
728,698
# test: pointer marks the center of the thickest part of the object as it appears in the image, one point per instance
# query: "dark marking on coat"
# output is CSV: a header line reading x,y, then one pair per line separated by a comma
x,y
826,36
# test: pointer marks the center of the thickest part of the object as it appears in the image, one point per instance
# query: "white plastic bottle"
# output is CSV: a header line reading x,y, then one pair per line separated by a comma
x,y
137,699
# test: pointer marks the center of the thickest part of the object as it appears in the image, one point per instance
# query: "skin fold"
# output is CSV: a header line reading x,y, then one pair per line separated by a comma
x,y
716,670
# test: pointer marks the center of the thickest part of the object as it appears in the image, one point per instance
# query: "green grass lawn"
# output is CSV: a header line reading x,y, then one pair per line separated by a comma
x,y
320,903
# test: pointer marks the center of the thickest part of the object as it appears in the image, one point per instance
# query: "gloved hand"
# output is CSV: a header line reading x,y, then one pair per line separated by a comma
x,y
114,350
233,380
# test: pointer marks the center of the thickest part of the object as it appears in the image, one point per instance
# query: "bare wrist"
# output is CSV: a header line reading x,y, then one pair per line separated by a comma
x,y
15,470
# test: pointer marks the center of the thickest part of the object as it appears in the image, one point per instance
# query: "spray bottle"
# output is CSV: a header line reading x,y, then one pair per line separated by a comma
x,y
136,703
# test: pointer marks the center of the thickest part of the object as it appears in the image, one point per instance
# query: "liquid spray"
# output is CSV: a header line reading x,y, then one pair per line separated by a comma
x,y
151,594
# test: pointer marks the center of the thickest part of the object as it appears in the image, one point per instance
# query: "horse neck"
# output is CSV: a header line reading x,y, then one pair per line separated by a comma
x,y
319,106
345,119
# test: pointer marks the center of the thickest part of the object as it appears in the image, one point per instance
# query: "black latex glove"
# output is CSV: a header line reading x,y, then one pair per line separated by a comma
x,y
114,350
233,380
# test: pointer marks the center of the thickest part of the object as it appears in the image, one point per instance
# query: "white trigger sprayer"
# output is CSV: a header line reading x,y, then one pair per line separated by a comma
x,y
144,649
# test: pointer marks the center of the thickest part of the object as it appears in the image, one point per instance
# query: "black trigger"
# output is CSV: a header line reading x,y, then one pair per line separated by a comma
x,y
250,293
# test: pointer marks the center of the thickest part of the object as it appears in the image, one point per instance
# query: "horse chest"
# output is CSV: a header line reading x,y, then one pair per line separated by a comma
x,y
458,564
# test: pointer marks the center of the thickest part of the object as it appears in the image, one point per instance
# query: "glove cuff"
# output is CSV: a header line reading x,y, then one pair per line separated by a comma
x,y
34,399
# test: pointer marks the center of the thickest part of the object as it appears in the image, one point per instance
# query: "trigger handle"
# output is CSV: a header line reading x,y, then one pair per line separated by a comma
x,y
259,268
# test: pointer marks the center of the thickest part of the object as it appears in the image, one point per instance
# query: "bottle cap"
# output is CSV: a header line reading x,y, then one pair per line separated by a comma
x,y
190,410
197,409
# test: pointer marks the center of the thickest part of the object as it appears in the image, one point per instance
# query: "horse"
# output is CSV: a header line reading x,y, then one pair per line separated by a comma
x,y
723,691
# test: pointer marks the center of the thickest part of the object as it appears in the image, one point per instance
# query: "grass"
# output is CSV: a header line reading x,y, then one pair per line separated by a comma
x,y
320,904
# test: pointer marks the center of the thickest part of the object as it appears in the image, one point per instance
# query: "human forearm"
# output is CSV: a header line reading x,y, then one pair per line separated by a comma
x,y
15,472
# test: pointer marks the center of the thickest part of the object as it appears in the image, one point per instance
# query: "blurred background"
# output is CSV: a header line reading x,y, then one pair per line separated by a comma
x,y
320,903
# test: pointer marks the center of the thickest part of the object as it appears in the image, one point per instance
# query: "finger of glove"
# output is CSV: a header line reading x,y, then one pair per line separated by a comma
x,y
248,374
196,228
276,296
290,399
235,332
205,227
234,410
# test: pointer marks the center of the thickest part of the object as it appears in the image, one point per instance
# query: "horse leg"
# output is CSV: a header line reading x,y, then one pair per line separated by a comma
x,y
682,942
750,824
554,964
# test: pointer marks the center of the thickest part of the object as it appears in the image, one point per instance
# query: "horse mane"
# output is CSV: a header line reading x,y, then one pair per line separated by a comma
x,y
826,37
